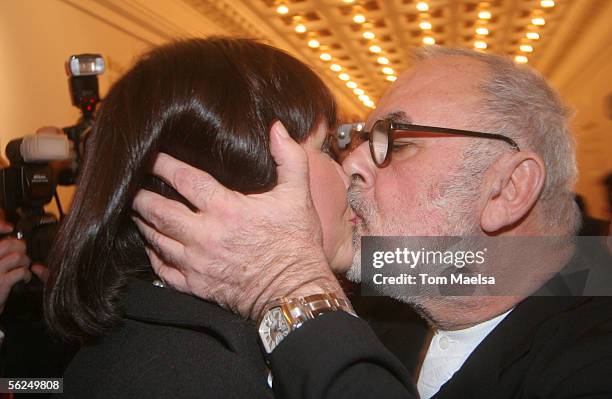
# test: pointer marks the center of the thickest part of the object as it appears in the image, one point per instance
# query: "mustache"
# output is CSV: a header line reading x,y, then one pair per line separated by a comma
x,y
353,196
362,208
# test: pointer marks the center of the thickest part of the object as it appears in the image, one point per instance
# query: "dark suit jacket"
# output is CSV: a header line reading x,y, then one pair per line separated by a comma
x,y
398,327
170,345
546,348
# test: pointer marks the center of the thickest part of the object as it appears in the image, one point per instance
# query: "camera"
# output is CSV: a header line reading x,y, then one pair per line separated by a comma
x,y
27,185
29,182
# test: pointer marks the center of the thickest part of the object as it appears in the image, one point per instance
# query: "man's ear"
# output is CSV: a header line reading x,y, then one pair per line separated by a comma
x,y
514,184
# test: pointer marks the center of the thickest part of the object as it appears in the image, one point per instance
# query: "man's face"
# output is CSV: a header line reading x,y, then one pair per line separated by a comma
x,y
425,190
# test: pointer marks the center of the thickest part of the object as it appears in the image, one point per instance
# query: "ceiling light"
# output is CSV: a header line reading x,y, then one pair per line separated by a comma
x,y
425,25
351,85
521,59
388,71
526,48
375,49
369,35
348,1
392,78
547,3
344,76
282,9
313,43
359,92
482,31
533,35
539,21
422,6
364,98
300,28
335,67
359,19
480,44
484,15
369,104
429,40
382,60
325,57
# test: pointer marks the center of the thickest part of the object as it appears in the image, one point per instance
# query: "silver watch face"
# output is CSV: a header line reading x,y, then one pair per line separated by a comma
x,y
273,328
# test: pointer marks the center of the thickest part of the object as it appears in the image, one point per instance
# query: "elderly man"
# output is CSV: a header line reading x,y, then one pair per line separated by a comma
x,y
479,147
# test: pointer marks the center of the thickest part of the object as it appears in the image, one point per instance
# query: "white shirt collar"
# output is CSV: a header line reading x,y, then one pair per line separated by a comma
x,y
448,351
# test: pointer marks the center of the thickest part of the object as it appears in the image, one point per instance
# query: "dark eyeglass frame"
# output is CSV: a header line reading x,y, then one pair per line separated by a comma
x,y
394,130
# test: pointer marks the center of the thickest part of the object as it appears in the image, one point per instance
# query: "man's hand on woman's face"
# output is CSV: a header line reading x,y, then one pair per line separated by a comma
x,y
237,250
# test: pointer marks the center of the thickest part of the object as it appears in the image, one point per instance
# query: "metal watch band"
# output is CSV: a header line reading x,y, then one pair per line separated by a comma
x,y
298,310
283,315
311,306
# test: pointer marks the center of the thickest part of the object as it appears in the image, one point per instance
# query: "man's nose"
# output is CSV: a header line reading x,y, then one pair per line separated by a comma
x,y
360,164
346,180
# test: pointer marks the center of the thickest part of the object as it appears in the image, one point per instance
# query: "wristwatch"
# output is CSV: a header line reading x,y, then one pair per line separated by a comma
x,y
283,315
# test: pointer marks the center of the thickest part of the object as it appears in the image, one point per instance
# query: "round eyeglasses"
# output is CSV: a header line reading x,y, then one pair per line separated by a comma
x,y
384,132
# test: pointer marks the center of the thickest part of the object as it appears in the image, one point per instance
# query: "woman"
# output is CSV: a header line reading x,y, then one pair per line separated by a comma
x,y
208,102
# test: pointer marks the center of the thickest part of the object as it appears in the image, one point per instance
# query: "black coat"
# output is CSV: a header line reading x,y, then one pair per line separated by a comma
x,y
546,348
398,327
170,345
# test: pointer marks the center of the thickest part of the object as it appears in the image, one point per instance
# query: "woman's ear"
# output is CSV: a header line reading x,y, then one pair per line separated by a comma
x,y
514,184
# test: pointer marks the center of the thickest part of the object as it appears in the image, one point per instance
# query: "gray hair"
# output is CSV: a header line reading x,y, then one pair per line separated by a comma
x,y
518,102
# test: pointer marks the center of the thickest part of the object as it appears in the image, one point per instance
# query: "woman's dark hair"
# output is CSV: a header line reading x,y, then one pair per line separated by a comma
x,y
208,102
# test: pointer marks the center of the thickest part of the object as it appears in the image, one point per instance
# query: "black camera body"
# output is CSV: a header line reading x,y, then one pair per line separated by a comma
x,y
26,186
29,182
25,189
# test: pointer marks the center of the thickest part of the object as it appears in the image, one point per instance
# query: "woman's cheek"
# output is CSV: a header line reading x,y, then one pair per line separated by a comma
x,y
319,189
326,190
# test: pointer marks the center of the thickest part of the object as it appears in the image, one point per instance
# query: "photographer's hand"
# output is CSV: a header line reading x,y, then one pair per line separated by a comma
x,y
14,263
240,251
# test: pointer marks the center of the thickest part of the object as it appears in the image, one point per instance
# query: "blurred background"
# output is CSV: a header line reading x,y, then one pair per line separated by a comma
x,y
358,47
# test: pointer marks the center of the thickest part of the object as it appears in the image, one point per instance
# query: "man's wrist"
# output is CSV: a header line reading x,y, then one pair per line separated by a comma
x,y
307,280
286,314
318,287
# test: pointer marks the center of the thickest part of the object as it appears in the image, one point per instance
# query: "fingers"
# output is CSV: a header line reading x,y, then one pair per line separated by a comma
x,y
5,227
168,274
290,157
41,271
14,265
172,250
14,260
9,279
11,245
169,217
194,184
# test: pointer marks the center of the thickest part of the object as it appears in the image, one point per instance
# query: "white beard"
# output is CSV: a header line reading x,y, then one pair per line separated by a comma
x,y
453,198
354,272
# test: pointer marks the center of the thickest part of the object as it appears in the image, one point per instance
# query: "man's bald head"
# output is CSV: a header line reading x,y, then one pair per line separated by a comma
x,y
516,101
